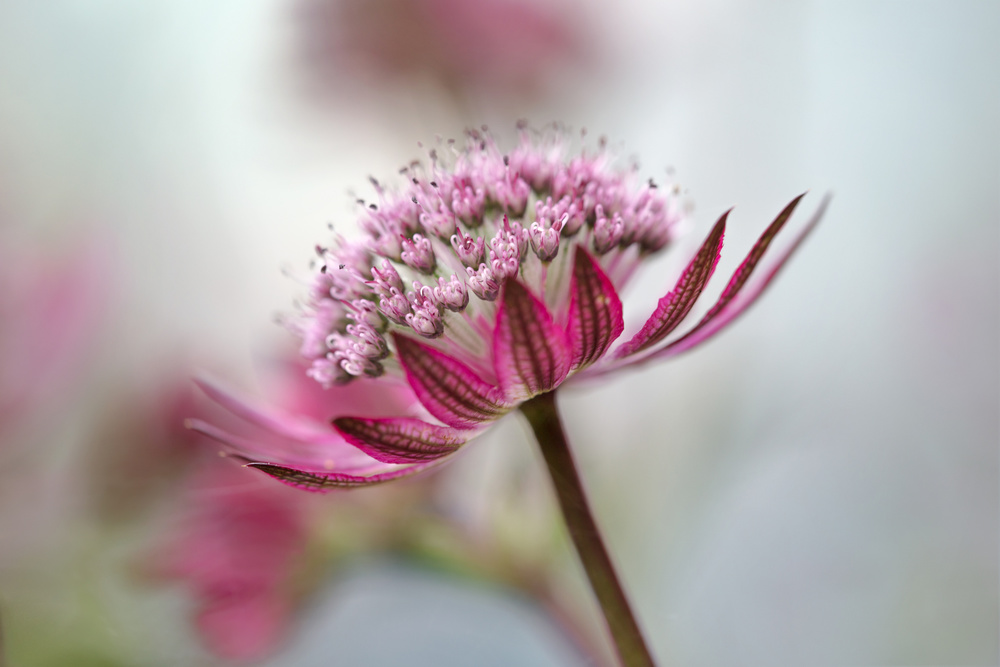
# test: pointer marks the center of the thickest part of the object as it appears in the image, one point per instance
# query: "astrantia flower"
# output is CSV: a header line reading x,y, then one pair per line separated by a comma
x,y
480,287
488,279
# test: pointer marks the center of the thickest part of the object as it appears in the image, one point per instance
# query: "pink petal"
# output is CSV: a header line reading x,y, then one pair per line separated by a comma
x,y
595,311
530,353
322,482
449,389
676,305
709,326
401,440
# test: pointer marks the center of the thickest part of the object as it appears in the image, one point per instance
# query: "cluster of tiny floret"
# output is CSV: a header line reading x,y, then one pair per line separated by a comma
x,y
464,223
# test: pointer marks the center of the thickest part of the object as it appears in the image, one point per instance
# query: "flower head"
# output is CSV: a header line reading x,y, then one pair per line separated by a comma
x,y
511,291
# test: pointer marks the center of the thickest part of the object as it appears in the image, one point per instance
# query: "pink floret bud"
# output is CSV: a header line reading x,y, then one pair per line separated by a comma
x,y
507,248
567,211
423,296
483,283
368,342
352,354
534,166
366,312
469,204
438,221
386,277
452,294
512,194
545,238
426,321
505,257
607,231
356,365
425,311
418,254
395,306
470,250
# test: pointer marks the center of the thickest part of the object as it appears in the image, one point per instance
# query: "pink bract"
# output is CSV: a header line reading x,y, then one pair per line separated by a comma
x,y
487,279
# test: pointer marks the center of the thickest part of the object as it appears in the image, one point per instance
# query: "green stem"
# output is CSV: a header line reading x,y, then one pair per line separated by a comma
x,y
544,419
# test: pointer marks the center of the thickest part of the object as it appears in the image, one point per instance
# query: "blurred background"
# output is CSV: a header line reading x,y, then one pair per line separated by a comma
x,y
820,485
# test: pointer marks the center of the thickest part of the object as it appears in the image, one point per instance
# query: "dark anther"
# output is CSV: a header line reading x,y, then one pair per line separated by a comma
x,y
506,160
373,207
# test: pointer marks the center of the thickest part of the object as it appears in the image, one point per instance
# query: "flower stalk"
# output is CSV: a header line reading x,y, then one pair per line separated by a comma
x,y
544,419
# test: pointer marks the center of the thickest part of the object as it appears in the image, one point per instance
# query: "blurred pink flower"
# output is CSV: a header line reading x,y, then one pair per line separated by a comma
x,y
238,540
501,46
236,545
544,242
50,307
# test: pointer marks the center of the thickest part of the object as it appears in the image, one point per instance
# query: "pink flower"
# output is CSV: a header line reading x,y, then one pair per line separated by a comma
x,y
238,539
236,546
505,46
515,294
